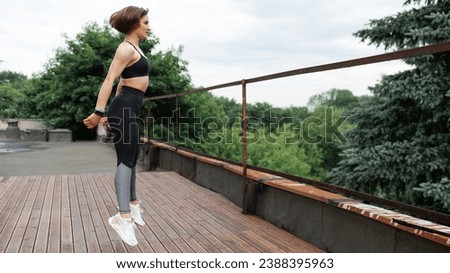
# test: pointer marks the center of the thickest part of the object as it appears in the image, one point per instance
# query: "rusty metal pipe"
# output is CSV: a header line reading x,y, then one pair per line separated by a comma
x,y
401,54
249,202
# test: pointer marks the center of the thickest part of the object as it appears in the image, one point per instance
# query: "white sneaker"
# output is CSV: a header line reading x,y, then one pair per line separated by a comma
x,y
125,229
136,213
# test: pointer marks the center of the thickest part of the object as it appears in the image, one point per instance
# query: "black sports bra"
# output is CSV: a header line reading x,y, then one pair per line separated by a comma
x,y
138,69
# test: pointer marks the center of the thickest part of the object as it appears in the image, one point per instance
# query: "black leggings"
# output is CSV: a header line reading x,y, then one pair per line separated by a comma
x,y
124,126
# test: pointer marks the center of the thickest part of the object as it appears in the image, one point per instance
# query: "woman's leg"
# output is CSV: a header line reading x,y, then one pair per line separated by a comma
x,y
133,197
127,147
125,131
122,181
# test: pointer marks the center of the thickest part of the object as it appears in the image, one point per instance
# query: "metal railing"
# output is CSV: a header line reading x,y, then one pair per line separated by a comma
x,y
249,205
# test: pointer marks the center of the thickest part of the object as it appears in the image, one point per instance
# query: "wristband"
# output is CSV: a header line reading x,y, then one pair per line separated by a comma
x,y
99,112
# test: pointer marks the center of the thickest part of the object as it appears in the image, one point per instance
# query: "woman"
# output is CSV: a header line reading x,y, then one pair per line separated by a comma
x,y
132,66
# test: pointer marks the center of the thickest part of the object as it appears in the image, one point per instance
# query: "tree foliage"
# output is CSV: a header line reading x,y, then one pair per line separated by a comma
x,y
414,27
338,98
402,133
292,140
12,88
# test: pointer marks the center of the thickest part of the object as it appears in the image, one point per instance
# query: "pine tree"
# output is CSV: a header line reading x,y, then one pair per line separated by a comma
x,y
400,147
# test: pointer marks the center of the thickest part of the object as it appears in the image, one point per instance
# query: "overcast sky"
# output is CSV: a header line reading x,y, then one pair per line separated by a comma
x,y
224,40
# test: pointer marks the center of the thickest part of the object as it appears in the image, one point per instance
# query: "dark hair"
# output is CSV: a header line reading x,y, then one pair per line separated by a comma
x,y
127,19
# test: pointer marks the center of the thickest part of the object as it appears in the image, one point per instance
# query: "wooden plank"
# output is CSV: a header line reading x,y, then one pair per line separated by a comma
x,y
242,228
224,243
149,236
153,226
270,232
165,240
90,236
67,245
15,184
151,239
186,230
276,235
270,235
104,203
162,210
54,237
205,219
69,213
79,242
5,184
33,223
262,243
179,218
96,207
44,223
226,235
20,215
230,214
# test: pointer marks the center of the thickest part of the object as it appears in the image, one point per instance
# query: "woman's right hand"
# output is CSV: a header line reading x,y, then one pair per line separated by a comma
x,y
104,121
92,121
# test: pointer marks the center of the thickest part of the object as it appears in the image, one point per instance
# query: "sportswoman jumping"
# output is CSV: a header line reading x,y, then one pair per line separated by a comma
x,y
131,65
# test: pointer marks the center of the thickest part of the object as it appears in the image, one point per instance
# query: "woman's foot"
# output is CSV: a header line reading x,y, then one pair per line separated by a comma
x,y
125,229
136,213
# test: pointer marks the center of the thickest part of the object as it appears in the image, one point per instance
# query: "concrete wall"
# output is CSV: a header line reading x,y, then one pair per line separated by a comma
x,y
33,131
334,229
60,135
325,225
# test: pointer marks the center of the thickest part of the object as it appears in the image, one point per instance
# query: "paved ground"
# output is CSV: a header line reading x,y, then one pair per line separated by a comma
x,y
19,158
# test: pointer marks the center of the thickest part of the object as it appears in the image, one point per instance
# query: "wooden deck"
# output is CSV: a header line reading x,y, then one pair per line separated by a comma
x,y
68,213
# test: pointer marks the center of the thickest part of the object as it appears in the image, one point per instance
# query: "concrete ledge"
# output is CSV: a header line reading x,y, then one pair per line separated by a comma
x,y
60,135
34,135
13,133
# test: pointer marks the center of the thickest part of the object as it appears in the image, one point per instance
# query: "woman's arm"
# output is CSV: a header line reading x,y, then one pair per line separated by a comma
x,y
121,59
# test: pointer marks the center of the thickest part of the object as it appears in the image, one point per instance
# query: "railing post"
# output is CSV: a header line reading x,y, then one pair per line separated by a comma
x,y
149,123
249,202
177,116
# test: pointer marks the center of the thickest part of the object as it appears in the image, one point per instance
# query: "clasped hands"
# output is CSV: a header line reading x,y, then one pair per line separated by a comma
x,y
93,120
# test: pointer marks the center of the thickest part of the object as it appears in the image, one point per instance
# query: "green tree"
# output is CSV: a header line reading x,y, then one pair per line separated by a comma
x,y
331,108
280,155
402,134
326,127
169,75
12,97
202,120
233,109
337,98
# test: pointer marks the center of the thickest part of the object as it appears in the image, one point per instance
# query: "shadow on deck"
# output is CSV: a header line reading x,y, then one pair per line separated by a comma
x,y
68,213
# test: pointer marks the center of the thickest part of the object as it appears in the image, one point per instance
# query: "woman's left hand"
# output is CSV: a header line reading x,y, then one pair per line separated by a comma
x,y
92,121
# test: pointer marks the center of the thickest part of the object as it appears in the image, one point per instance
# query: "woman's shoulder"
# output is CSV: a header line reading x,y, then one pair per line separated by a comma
x,y
125,49
125,46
